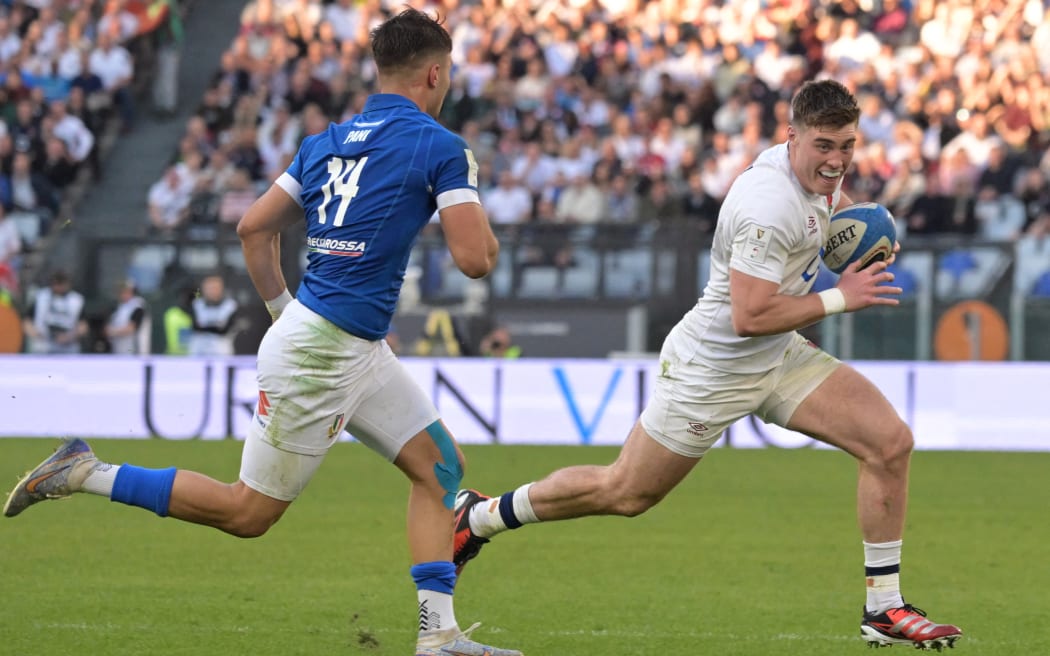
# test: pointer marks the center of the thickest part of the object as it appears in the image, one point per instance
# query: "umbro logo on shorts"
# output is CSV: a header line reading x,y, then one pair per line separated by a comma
x,y
696,428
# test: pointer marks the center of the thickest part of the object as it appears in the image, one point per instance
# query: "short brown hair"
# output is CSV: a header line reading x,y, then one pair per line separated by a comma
x,y
824,103
407,38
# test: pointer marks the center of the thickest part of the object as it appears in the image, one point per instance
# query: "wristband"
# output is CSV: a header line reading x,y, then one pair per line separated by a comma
x,y
833,300
276,305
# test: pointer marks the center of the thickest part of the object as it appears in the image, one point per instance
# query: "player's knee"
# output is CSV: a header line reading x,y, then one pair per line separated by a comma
x,y
252,524
901,442
252,513
893,445
631,502
634,504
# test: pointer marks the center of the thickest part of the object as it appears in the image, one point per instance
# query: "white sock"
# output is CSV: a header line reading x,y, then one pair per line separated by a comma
x,y
883,589
523,505
435,611
486,518
100,480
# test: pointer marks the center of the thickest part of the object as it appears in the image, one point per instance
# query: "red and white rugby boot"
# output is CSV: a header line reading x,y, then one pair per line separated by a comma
x,y
467,545
907,625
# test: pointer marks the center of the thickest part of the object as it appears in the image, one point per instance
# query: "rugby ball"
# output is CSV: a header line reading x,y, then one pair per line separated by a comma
x,y
864,232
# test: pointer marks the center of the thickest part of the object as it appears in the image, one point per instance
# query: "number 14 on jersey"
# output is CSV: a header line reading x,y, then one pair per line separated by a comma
x,y
341,187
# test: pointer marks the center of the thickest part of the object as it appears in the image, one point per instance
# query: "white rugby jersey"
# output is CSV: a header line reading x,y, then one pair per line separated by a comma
x,y
771,228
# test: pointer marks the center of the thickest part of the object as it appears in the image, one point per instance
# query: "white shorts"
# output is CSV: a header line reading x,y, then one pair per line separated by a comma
x,y
692,404
315,380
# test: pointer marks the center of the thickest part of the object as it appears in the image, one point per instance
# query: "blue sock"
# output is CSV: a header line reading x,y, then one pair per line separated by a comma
x,y
439,576
145,488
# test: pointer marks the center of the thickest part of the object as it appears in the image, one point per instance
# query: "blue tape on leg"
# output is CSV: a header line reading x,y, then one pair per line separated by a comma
x,y
448,471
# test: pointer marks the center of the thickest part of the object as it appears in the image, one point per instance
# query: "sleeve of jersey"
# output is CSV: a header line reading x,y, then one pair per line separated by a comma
x,y
292,179
455,173
760,251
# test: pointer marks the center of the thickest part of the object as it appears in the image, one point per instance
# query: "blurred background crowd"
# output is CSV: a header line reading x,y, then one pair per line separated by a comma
x,y
588,112
630,111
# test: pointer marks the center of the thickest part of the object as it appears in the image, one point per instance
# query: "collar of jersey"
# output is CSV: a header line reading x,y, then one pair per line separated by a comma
x,y
381,101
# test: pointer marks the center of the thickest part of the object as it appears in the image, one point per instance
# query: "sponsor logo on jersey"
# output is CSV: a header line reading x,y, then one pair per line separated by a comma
x,y
811,268
341,247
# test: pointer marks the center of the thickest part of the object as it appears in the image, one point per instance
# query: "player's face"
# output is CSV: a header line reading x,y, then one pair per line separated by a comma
x,y
820,156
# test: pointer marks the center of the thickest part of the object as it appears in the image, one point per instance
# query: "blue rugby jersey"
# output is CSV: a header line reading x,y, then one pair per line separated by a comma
x,y
367,187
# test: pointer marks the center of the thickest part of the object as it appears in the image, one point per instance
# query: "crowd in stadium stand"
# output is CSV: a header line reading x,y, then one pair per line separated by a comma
x,y
629,111
601,111
66,70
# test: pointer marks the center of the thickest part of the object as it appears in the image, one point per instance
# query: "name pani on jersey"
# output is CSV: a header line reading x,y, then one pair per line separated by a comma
x,y
341,247
356,135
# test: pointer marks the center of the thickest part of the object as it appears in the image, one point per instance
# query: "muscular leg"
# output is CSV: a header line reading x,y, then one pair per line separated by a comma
x,y
429,518
642,475
234,508
849,412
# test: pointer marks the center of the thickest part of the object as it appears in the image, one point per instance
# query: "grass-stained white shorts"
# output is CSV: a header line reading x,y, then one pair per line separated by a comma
x,y
693,403
315,380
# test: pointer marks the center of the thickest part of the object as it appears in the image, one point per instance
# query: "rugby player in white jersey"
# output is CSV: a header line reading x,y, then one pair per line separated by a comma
x,y
738,352
365,188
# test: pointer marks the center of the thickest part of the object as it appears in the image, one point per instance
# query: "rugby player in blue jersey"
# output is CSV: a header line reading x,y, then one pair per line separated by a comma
x,y
365,188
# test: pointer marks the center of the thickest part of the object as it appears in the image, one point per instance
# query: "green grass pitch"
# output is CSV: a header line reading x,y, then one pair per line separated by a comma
x,y
756,553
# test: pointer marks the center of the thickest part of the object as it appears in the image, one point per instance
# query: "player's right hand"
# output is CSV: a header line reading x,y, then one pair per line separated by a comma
x,y
869,286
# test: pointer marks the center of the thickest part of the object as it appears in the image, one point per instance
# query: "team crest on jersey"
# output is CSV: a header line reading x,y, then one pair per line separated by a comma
x,y
336,426
812,225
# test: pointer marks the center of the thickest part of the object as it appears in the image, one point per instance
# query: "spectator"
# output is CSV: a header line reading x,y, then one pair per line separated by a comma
x,y
55,321
10,42
73,131
581,201
277,140
58,167
344,17
661,205
534,168
31,192
1033,191
509,202
10,250
214,314
114,67
215,176
168,202
128,327
25,130
698,205
117,21
238,196
497,343
178,323
906,186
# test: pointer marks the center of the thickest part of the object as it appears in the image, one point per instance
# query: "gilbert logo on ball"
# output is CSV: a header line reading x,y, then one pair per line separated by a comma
x,y
862,232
